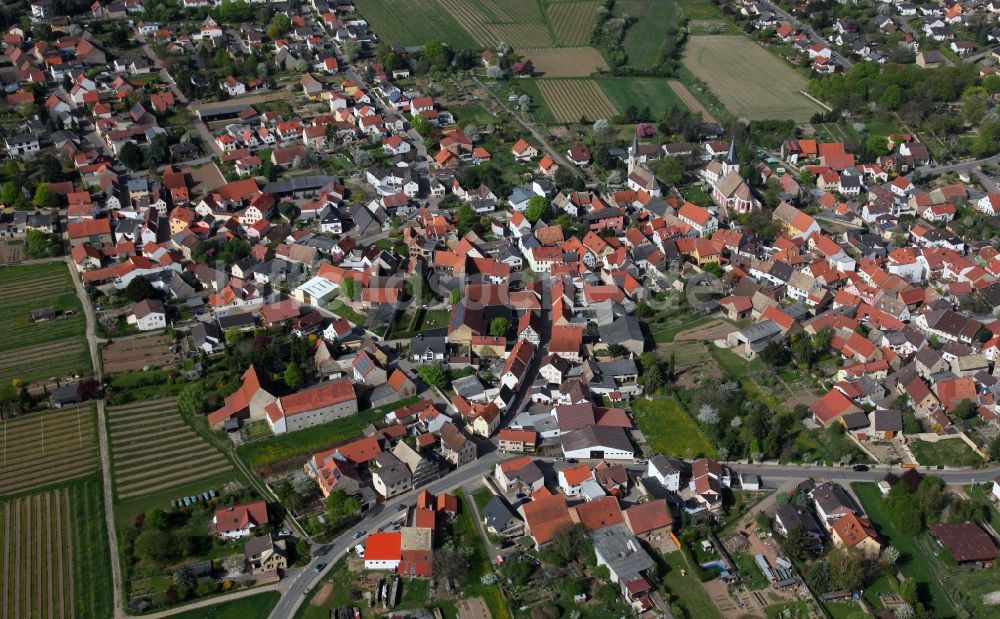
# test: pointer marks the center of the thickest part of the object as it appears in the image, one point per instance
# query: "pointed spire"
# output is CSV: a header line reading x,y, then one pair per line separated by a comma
x,y
731,155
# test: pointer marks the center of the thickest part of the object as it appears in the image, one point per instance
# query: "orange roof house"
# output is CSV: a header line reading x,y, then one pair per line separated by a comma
x,y
240,520
544,515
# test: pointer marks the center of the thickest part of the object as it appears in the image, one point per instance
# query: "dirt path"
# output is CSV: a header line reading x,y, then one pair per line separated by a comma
x,y
5,549
69,553
689,100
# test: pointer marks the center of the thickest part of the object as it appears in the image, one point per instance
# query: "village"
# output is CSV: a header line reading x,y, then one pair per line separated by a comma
x,y
348,322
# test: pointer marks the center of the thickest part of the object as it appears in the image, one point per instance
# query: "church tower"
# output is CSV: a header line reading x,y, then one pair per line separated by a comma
x,y
633,153
731,164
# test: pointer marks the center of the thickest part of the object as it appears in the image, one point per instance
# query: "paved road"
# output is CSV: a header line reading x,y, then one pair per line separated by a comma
x,y
109,513
296,587
961,166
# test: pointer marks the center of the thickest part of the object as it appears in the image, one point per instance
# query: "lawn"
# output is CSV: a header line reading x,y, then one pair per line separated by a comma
x,y
540,111
417,321
952,452
338,308
465,527
669,429
642,92
414,22
686,588
731,66
754,578
295,445
914,562
252,607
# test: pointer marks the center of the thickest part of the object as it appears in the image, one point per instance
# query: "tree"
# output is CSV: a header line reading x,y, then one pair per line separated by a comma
x,y
499,327
847,569
139,289
10,193
278,26
516,570
45,197
302,551
965,409
974,105
451,561
155,546
433,375
538,209
995,449
890,555
38,244
293,376
708,415
193,399
799,545
184,578
158,519
339,505
348,287
465,218
670,171
131,156
352,49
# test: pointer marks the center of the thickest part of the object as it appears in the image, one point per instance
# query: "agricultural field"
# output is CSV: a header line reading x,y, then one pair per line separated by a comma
x,y
468,24
47,448
55,561
644,38
153,450
570,100
566,61
642,92
56,347
732,66
572,21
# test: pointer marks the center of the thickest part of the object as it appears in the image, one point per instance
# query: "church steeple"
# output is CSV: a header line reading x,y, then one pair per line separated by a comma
x,y
633,153
731,164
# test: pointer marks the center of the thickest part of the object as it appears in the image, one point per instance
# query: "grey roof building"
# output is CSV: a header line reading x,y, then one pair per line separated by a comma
x,y
617,548
500,520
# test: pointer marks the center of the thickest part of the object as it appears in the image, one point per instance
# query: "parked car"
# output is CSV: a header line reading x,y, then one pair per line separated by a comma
x,y
284,533
861,468
319,567
360,534
401,507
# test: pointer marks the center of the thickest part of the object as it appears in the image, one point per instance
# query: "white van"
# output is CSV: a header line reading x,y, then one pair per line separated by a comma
x,y
360,551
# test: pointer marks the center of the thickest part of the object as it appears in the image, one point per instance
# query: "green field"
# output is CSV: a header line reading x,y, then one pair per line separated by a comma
x,y
668,428
732,66
294,446
644,38
915,562
252,607
413,22
32,351
55,560
642,92
953,452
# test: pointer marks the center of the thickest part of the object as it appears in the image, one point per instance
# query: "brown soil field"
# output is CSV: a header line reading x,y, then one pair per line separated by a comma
x,y
715,330
138,352
689,100
566,61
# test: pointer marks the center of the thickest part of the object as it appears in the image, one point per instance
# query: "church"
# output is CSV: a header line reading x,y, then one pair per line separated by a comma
x,y
639,176
729,190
